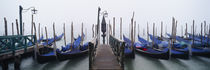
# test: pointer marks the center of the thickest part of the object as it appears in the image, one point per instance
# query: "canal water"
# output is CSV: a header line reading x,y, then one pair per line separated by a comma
x,y
139,63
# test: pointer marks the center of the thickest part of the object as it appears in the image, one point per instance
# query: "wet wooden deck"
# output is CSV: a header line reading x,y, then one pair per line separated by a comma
x,y
105,59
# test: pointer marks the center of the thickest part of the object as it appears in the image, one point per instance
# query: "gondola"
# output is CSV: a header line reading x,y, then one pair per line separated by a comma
x,y
51,40
144,48
38,41
178,50
72,50
196,49
129,50
45,54
58,38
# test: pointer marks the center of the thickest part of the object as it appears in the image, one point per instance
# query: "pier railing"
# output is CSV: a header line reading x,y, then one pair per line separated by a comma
x,y
15,42
118,49
92,51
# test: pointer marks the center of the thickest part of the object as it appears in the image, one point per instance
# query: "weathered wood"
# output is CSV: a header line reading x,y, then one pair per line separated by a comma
x,y
181,31
36,47
113,26
39,30
147,32
64,31
54,43
46,35
82,39
5,21
32,21
193,32
161,30
134,32
205,29
139,31
201,34
12,29
107,33
186,30
72,34
121,28
105,59
93,30
17,27
110,27
23,27
153,35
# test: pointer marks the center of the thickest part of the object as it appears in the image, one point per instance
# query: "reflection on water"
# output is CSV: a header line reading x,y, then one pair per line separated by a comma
x,y
71,64
147,63
139,63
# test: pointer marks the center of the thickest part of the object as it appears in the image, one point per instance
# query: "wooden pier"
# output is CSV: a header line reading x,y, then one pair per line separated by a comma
x,y
105,59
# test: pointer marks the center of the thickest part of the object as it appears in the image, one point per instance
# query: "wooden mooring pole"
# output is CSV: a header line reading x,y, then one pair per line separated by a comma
x,y
54,46
36,44
23,27
12,28
46,35
147,32
93,30
201,34
121,28
113,26
39,30
64,31
17,27
72,35
161,30
5,21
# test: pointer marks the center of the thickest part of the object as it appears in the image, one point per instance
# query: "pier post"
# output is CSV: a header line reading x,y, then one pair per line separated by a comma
x,y
138,29
82,39
39,30
147,32
161,29
64,31
36,44
5,21
93,30
46,35
54,46
72,35
201,34
32,25
20,14
121,28
12,28
113,26
153,35
132,37
17,62
193,32
186,31
4,65
134,32
23,28
17,27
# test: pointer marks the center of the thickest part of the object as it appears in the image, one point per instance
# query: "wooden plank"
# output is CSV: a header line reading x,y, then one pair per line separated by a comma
x,y
105,59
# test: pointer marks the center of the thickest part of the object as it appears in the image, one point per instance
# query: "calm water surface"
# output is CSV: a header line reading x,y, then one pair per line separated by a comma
x,y
139,63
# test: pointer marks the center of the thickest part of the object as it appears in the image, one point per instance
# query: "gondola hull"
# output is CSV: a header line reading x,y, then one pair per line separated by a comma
x,y
154,55
44,59
179,54
201,52
66,56
41,58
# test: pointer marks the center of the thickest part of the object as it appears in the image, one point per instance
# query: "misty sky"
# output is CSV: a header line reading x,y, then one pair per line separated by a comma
x,y
78,11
